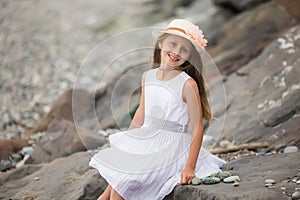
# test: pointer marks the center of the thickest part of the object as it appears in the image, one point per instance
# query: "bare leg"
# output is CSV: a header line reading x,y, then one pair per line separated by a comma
x,y
106,194
114,195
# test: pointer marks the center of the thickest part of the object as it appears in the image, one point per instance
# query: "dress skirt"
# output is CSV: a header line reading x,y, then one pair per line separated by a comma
x,y
146,163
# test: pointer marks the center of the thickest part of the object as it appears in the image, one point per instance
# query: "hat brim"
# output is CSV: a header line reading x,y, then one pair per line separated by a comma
x,y
158,33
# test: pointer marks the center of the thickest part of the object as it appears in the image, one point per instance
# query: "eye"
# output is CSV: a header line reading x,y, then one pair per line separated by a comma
x,y
184,50
173,44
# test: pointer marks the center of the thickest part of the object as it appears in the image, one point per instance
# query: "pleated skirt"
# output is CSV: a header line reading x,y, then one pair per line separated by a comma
x,y
146,163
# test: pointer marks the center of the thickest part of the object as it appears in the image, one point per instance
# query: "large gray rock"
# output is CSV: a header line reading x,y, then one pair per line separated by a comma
x,y
238,6
253,171
245,35
64,178
63,138
263,96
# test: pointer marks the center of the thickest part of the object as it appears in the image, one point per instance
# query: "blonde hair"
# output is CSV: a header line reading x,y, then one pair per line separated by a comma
x,y
190,67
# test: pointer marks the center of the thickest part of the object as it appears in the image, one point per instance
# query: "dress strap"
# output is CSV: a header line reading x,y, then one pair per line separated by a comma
x,y
164,124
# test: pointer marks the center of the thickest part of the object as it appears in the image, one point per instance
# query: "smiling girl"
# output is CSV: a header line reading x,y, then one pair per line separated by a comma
x,y
159,151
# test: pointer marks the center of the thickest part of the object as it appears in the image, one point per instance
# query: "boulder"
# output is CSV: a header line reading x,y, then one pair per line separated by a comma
x,y
245,35
63,178
10,146
253,170
71,101
263,96
238,6
63,138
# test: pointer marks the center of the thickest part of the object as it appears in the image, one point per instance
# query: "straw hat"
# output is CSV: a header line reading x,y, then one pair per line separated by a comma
x,y
185,29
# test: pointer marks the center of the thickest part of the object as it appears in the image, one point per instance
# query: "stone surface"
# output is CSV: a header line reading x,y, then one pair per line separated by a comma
x,y
256,114
238,6
245,35
75,180
290,149
63,139
10,146
253,171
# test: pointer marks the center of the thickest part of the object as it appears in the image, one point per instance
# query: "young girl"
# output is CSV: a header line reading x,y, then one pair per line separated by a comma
x,y
159,150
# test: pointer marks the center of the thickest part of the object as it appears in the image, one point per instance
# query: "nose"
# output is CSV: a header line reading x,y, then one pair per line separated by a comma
x,y
176,50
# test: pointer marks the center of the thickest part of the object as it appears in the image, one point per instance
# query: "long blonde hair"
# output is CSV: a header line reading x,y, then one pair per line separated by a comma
x,y
190,67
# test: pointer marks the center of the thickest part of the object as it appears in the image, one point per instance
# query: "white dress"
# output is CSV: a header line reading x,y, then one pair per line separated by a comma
x,y
146,162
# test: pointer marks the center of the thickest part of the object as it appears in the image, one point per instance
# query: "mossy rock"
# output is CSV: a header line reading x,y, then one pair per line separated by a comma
x,y
210,180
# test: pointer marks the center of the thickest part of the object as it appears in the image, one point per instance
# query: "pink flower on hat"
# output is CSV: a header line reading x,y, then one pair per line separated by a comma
x,y
196,34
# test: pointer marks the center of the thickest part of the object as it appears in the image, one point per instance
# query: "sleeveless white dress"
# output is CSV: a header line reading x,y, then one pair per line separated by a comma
x,y
146,162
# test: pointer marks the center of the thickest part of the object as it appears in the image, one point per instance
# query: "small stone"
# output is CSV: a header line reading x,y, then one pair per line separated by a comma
x,y
212,180
196,181
297,189
231,179
27,150
224,174
290,149
270,181
271,187
296,195
36,178
225,144
294,180
236,183
15,157
298,182
5,165
283,188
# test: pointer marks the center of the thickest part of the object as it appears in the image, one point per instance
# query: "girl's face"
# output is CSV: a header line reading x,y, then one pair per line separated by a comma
x,y
175,50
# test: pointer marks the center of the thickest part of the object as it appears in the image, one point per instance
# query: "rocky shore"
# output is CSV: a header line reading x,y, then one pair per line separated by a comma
x,y
45,147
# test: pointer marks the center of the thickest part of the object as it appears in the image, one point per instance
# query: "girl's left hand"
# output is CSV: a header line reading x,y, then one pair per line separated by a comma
x,y
187,175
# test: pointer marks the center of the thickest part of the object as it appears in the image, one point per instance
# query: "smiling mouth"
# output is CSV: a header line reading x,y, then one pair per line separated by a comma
x,y
173,58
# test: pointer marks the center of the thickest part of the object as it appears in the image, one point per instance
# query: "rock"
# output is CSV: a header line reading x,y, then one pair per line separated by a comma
x,y
212,180
15,157
225,143
238,6
5,165
10,146
236,183
75,180
224,174
270,181
72,103
296,195
230,179
278,121
63,139
290,149
298,182
292,7
196,181
229,56
27,150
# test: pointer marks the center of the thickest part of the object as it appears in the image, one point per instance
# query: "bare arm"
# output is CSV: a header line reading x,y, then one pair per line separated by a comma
x,y
138,118
192,97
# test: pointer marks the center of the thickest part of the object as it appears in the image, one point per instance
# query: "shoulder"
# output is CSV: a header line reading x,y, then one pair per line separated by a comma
x,y
145,74
190,89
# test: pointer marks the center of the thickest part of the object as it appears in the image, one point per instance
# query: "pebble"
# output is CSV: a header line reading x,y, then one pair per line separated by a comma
x,y
196,181
231,179
296,195
270,181
5,165
211,180
236,183
36,178
283,188
290,149
27,150
224,174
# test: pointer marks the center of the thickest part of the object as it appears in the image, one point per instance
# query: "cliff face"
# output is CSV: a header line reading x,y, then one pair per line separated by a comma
x,y
255,45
